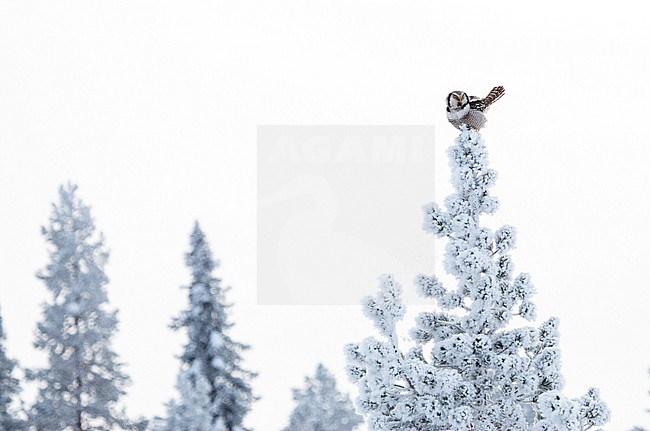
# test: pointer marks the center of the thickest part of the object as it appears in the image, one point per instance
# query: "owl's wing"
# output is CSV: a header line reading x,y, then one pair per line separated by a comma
x,y
477,103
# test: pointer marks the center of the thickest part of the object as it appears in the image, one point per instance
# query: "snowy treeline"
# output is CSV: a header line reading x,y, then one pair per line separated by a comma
x,y
471,366
82,385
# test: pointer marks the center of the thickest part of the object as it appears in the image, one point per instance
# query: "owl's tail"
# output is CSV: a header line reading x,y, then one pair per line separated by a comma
x,y
495,94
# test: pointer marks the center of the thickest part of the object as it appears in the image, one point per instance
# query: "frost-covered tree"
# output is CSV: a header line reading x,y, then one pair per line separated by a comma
x,y
210,352
471,367
9,388
321,407
83,381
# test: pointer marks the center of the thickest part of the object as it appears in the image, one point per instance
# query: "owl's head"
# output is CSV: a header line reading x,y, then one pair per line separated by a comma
x,y
457,101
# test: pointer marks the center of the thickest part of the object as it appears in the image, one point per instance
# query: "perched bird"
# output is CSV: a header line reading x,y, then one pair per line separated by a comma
x,y
462,109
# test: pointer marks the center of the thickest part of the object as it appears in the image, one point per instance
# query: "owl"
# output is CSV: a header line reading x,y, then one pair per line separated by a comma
x,y
462,109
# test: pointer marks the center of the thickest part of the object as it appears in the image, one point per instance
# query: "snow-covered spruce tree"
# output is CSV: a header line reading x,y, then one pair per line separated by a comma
x,y
321,407
210,352
471,367
83,381
9,388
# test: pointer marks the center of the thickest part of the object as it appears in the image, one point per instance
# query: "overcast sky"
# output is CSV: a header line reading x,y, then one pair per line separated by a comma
x,y
152,108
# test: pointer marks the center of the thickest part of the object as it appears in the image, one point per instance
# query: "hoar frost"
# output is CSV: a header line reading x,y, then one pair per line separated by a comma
x,y
469,369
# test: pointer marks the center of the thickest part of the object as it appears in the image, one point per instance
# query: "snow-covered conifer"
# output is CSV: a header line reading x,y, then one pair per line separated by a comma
x,y
471,367
9,388
80,387
210,352
320,406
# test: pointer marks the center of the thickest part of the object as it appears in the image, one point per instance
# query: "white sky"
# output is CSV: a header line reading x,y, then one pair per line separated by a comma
x,y
152,107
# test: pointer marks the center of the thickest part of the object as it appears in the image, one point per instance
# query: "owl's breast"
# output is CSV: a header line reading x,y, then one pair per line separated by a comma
x,y
475,119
